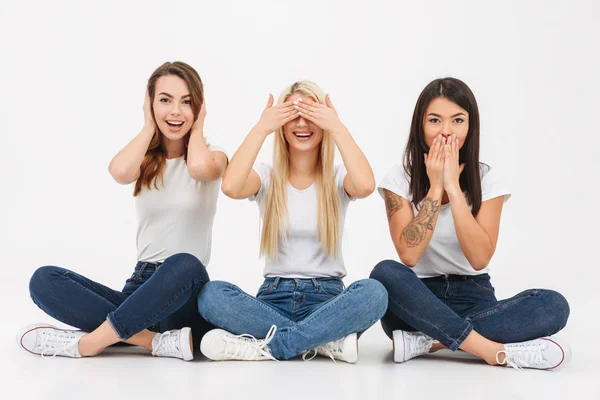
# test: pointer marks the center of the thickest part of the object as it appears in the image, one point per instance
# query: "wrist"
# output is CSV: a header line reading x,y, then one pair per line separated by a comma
x,y
436,192
339,130
149,128
454,190
261,130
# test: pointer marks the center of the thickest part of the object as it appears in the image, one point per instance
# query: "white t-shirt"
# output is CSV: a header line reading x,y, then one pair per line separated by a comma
x,y
301,254
178,217
444,255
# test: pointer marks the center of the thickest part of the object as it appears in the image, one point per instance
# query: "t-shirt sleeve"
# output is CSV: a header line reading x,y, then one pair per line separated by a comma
x,y
264,173
340,174
396,182
492,185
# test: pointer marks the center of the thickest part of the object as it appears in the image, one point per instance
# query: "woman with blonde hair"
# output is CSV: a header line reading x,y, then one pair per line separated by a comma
x,y
302,304
176,177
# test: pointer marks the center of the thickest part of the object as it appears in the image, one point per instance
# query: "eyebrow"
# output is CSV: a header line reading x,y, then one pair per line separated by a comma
x,y
169,96
455,115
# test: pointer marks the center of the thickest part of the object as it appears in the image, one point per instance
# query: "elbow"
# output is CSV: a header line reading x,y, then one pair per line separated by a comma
x,y
228,190
121,175
483,262
408,259
365,189
201,172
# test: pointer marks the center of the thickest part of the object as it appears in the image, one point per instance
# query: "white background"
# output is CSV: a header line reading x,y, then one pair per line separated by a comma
x,y
73,80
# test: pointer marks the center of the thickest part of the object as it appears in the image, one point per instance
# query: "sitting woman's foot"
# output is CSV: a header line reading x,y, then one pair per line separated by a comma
x,y
549,353
220,345
408,345
176,343
49,341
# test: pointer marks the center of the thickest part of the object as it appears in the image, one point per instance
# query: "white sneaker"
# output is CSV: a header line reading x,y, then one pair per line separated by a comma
x,y
344,349
220,345
47,340
408,345
176,344
548,353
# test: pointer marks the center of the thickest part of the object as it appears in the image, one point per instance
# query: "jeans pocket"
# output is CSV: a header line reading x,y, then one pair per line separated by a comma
x,y
484,284
333,287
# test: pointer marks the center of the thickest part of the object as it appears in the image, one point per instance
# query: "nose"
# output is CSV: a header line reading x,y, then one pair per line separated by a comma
x,y
301,122
446,129
174,109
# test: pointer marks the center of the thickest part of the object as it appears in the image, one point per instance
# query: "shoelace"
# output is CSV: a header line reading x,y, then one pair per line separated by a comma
x,y
522,357
168,343
247,347
60,342
418,343
330,350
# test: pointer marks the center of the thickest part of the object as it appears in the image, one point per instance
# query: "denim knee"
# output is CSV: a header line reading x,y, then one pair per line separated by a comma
x,y
558,310
377,296
186,267
211,296
42,279
390,272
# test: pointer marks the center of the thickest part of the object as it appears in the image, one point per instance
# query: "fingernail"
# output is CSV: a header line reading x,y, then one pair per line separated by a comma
x,y
295,101
296,107
299,99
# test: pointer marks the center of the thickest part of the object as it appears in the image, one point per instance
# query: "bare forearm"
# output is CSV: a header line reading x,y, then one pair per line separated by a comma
x,y
474,240
242,161
415,237
125,165
201,163
357,165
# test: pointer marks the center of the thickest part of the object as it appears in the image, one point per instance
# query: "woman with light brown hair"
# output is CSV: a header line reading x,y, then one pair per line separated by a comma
x,y
302,304
176,175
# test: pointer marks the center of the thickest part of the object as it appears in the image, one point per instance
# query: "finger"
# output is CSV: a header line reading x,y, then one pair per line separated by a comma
x,y
306,110
439,155
290,116
434,149
270,101
305,106
285,108
307,116
328,101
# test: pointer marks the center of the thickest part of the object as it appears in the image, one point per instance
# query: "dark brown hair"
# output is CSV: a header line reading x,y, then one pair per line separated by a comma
x,y
153,164
459,93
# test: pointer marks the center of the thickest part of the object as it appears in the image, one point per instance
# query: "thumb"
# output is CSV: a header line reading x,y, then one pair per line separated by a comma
x,y
270,102
328,101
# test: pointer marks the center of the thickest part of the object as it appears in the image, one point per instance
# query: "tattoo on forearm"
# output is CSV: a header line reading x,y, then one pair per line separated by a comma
x,y
416,231
393,203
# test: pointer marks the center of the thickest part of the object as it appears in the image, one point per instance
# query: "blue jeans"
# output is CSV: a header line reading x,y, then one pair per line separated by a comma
x,y
159,298
449,307
307,312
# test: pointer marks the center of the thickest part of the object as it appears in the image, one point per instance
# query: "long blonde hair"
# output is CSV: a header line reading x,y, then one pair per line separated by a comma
x,y
153,165
274,210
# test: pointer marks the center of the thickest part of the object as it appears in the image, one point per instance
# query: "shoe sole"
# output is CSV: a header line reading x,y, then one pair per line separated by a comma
x,y
185,340
398,346
566,352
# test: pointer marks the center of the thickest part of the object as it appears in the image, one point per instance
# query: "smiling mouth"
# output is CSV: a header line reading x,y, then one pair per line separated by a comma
x,y
303,135
174,124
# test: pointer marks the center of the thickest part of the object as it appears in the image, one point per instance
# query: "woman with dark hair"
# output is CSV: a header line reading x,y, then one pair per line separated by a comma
x,y
176,177
443,209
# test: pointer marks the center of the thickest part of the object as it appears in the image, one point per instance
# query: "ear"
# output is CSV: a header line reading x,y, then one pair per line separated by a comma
x,y
461,167
425,154
270,101
328,102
